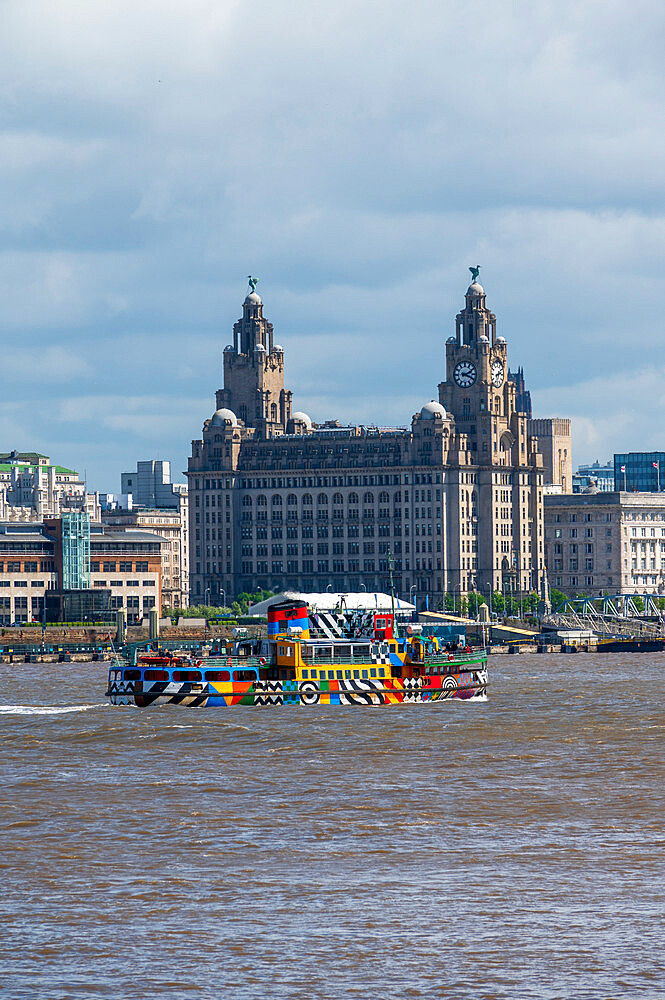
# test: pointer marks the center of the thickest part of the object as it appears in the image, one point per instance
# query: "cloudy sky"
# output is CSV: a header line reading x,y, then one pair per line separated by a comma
x,y
357,157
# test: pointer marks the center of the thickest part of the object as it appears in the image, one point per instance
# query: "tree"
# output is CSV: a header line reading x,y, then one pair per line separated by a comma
x,y
475,600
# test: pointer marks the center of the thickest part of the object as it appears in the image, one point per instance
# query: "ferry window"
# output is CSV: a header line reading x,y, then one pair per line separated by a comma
x,y
132,675
280,651
331,674
380,623
382,672
365,674
244,675
372,672
347,673
186,675
305,673
156,675
289,651
339,675
217,675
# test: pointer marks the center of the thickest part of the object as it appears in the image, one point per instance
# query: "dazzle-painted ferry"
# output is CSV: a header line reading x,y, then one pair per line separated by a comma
x,y
303,664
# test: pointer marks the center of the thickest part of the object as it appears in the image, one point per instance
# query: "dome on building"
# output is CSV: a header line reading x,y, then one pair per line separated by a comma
x,y
302,417
229,347
253,299
432,410
278,348
223,417
259,347
483,339
500,340
475,289
451,340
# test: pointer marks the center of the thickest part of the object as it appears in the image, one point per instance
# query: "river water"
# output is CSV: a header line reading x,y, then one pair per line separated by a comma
x,y
508,849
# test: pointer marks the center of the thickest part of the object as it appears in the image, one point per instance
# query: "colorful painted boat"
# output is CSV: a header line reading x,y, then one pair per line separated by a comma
x,y
292,666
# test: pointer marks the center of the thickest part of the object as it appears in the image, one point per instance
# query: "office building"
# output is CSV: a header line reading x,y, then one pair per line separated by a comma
x,y
606,542
452,503
640,471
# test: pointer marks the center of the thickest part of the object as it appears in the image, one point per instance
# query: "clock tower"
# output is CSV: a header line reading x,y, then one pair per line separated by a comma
x,y
500,516
476,388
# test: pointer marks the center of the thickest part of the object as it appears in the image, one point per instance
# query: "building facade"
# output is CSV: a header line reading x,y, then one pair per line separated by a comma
x,y
554,443
640,471
606,542
32,488
595,476
172,528
68,554
451,503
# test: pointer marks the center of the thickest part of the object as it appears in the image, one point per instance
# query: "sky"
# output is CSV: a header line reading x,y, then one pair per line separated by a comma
x,y
357,158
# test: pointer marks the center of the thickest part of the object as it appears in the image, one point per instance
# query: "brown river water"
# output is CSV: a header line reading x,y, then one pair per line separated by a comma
x,y
507,849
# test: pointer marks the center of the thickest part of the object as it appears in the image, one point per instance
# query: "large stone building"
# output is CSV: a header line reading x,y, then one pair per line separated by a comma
x,y
32,487
453,502
601,542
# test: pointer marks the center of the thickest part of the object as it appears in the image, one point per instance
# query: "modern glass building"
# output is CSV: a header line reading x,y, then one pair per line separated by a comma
x,y
601,475
640,472
75,551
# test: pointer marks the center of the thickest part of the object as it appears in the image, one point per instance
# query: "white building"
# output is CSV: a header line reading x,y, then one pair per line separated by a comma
x,y
31,488
606,542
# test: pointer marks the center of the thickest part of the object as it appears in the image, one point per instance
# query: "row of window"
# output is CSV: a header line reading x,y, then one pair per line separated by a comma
x,y
123,566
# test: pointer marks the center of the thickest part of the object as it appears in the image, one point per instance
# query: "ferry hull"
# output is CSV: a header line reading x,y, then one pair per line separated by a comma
x,y
469,684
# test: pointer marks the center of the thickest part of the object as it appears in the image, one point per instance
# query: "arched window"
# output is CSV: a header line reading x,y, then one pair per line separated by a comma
x,y
273,411
338,498
292,500
322,498
384,498
247,501
353,498
307,500
276,500
261,501
368,498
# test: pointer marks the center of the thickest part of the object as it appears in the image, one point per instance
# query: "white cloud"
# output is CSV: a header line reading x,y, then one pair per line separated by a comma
x,y
357,157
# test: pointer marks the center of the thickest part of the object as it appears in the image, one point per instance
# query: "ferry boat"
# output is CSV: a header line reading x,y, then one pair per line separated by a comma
x,y
297,664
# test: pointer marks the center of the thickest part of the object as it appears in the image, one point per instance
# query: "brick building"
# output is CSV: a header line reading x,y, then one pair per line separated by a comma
x,y
39,557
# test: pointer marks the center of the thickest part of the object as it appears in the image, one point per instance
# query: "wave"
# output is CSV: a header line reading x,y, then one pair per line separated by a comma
x,y
45,709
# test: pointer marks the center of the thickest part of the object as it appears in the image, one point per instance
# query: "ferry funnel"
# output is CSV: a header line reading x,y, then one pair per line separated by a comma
x,y
287,616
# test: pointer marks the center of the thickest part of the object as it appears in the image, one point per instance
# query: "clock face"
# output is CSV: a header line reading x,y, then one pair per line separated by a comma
x,y
464,374
497,374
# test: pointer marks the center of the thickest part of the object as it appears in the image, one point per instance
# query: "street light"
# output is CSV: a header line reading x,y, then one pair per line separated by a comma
x,y
222,591
414,586
363,587
329,588
206,596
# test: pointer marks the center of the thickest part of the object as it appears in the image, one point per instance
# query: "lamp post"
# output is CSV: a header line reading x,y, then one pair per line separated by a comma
x,y
412,588
329,588
489,589
206,596
363,586
223,592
